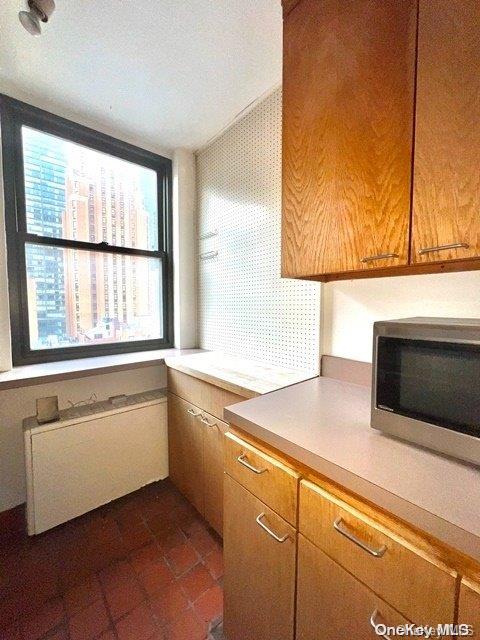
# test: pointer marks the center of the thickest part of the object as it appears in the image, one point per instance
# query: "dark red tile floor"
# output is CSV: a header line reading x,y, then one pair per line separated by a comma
x,y
145,567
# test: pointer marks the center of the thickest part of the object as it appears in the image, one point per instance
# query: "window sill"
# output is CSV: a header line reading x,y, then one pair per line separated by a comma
x,y
33,374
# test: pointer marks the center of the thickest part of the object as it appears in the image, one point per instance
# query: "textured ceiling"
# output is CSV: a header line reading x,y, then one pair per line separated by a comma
x,y
163,74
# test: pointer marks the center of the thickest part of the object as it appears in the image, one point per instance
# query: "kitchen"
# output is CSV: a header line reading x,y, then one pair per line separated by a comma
x,y
218,476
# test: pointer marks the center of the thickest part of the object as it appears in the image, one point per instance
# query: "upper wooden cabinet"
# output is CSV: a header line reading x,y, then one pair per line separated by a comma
x,y
446,205
358,92
348,86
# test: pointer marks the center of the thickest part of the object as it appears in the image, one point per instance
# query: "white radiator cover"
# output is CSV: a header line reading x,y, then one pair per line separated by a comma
x,y
92,455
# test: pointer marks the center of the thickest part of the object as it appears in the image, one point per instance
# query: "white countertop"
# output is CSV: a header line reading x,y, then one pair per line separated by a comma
x,y
247,378
325,425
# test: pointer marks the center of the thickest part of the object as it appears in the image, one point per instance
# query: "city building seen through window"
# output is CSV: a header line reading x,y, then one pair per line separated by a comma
x,y
90,229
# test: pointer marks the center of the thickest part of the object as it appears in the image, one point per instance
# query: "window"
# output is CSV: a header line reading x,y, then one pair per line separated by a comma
x,y
89,236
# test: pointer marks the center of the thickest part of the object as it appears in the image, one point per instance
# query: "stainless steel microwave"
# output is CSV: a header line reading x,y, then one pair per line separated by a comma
x,y
426,383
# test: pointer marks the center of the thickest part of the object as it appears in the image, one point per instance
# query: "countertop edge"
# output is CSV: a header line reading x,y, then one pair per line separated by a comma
x,y
431,524
210,379
35,374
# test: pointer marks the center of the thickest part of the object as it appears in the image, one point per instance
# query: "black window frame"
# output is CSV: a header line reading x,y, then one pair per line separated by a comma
x,y
15,114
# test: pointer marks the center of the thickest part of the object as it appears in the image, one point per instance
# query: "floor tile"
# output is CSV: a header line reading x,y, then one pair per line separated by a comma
x,y
139,624
80,596
137,560
59,634
214,563
182,558
169,604
90,622
203,542
209,606
187,627
12,633
170,538
116,573
155,578
100,531
137,537
105,554
48,617
124,598
143,558
196,582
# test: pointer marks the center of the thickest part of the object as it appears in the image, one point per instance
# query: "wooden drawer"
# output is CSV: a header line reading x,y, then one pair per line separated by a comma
x,y
208,397
268,479
421,590
469,606
330,599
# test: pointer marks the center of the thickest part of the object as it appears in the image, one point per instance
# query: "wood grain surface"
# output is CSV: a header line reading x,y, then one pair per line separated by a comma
x,y
259,582
347,134
469,606
446,206
333,601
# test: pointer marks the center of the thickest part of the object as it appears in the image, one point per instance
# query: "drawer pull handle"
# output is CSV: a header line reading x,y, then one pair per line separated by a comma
x,y
209,424
375,624
269,531
444,247
376,553
193,413
243,460
380,256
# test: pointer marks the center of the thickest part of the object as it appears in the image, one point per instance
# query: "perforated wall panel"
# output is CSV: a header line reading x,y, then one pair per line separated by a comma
x,y
245,308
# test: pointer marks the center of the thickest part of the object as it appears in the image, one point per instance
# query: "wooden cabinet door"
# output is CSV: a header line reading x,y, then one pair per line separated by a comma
x,y
259,578
469,606
446,204
185,450
348,86
332,604
213,437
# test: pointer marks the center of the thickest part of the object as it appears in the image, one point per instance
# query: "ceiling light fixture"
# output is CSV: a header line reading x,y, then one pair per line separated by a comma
x,y
39,11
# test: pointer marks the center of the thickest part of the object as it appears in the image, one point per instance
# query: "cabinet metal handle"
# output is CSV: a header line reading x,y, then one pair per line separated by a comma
x,y
269,531
374,624
242,460
209,424
381,256
376,553
193,413
444,247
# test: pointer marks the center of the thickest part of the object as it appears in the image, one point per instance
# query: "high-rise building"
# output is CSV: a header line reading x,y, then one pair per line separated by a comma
x,y
44,163
79,296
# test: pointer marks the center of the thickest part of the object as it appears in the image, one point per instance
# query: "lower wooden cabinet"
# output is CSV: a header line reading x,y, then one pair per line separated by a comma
x,y
259,558
185,450
213,439
332,604
469,606
195,445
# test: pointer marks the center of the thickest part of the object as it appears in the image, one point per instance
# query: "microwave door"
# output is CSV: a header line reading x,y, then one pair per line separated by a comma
x,y
434,382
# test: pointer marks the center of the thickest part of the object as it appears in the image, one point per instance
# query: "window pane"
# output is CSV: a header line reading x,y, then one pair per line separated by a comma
x,y
78,193
78,298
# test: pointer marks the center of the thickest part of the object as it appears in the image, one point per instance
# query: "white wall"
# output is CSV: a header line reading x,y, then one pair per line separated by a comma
x,y
16,404
184,249
245,308
351,307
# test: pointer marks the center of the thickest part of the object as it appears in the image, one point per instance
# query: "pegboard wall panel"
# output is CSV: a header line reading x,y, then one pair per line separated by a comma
x,y
245,308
